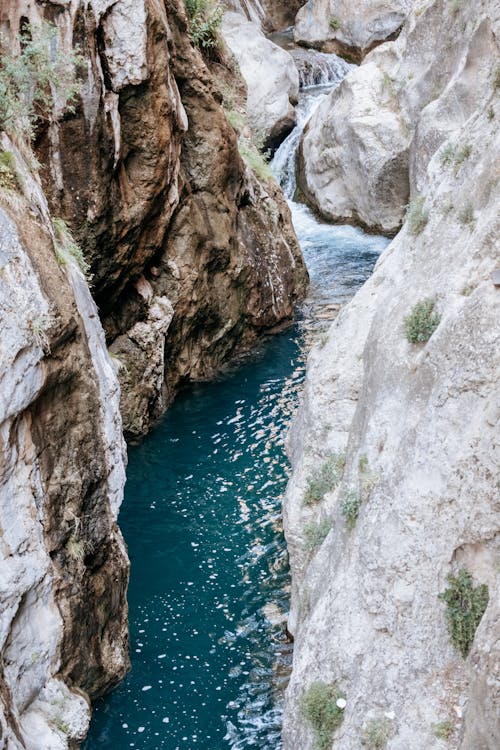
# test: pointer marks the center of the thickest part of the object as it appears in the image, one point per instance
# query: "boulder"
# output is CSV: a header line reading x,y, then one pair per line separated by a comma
x,y
271,77
352,29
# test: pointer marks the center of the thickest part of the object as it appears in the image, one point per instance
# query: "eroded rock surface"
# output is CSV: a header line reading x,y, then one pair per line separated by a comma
x,y
347,28
147,173
387,118
64,568
270,74
417,426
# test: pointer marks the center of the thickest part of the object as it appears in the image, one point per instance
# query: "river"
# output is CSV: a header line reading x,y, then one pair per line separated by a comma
x,y
201,517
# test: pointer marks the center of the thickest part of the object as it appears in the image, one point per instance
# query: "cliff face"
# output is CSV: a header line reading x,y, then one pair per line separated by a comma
x,y
414,426
378,130
64,569
180,235
347,28
192,259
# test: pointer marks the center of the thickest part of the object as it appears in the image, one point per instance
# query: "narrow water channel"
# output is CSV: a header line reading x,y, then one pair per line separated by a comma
x,y
202,520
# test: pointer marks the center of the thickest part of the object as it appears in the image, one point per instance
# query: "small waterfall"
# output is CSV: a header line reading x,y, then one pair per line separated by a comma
x,y
319,68
319,74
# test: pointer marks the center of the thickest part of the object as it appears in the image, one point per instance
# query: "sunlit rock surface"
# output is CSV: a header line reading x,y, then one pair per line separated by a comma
x,y
416,423
376,133
270,74
349,28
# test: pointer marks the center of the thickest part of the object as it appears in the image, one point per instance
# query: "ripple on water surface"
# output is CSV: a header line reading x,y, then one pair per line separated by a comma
x,y
209,575
202,520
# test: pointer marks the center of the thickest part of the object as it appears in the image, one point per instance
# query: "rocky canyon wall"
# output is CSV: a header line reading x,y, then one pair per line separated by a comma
x,y
63,563
395,448
192,257
180,235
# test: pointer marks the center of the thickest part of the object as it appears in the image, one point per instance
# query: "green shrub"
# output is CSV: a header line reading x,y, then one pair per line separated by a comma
x,y
465,605
254,159
37,82
205,18
421,323
67,249
315,533
9,179
453,156
466,216
324,479
367,478
319,707
416,215
350,508
496,79
376,734
334,23
444,730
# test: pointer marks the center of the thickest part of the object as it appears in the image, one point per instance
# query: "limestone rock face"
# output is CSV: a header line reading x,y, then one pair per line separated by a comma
x,y
64,568
389,115
344,27
417,426
354,155
147,173
270,74
269,15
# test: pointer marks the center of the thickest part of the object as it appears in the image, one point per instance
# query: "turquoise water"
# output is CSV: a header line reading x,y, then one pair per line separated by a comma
x,y
202,520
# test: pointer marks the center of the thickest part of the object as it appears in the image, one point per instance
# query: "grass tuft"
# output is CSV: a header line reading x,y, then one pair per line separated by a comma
x,y
67,249
324,479
319,707
416,215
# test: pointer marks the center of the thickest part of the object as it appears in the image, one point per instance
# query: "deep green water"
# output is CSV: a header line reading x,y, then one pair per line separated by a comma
x,y
202,521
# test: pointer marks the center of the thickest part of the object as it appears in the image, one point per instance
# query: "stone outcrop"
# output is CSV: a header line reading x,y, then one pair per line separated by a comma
x,y
192,259
64,568
270,75
147,173
270,15
349,29
415,424
365,142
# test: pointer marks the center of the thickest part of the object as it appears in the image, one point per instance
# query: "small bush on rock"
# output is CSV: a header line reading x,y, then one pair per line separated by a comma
x,y
350,508
37,82
315,533
421,323
205,18
416,215
324,479
465,606
319,705
256,160
335,23
376,734
444,730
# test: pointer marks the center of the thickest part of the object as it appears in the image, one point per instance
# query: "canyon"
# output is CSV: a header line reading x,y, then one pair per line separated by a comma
x,y
146,246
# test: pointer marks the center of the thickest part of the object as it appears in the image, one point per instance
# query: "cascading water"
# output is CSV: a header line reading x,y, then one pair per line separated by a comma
x,y
209,578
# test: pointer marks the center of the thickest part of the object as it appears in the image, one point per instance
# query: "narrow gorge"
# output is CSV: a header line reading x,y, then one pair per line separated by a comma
x,y
259,241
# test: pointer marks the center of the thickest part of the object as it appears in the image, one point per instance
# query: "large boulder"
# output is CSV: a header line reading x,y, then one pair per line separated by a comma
x,y
353,160
349,28
270,74
408,96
